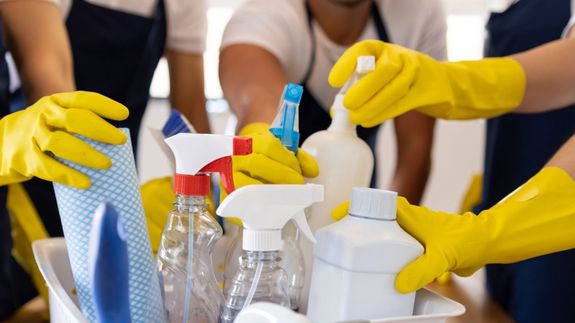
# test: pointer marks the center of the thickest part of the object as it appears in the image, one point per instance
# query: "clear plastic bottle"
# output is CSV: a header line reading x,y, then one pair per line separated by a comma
x,y
271,283
291,260
261,277
293,263
206,297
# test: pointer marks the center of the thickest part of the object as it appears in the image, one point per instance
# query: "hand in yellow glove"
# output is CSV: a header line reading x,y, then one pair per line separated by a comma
x,y
270,162
537,219
406,80
27,136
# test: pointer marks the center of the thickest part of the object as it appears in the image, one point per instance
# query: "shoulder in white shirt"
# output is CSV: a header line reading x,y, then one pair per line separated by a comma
x,y
281,27
572,21
187,19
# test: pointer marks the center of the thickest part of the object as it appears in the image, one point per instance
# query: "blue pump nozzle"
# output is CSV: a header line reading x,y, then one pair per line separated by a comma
x,y
286,123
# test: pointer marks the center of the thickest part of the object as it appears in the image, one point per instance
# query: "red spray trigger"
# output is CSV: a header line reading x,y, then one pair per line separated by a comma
x,y
223,166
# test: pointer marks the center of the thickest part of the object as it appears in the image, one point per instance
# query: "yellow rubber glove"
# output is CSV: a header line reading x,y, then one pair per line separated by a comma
x,y
158,197
270,162
537,219
340,211
27,136
406,80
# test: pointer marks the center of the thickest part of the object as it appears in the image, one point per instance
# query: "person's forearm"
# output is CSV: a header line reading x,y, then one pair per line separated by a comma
x,y
414,133
187,88
39,44
565,157
411,177
252,80
550,75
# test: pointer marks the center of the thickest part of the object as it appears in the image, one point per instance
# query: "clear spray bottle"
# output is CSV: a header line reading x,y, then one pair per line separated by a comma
x,y
264,211
285,127
190,289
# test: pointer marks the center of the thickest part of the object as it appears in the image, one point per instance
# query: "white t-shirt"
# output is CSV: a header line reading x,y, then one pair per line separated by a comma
x,y
572,21
186,19
281,27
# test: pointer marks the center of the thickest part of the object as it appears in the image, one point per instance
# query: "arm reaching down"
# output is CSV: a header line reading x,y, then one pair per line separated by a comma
x,y
537,219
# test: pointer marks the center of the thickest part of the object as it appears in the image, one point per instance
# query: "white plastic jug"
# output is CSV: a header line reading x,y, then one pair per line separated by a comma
x,y
357,259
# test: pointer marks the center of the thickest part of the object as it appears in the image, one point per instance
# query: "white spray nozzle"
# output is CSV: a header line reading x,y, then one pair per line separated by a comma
x,y
194,151
265,209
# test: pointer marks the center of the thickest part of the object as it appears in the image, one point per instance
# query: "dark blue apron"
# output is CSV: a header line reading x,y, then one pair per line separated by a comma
x,y
517,147
312,116
16,287
115,54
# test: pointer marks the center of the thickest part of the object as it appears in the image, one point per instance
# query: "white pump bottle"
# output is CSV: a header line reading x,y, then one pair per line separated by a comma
x,y
344,160
264,211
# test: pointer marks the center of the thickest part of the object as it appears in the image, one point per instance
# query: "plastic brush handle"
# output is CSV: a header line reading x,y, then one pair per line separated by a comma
x,y
108,265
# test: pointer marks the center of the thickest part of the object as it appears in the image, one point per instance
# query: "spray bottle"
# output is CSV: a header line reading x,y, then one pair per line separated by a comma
x,y
345,161
264,210
190,289
285,127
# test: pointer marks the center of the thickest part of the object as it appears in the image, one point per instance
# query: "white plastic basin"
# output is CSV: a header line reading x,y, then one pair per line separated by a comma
x,y
52,258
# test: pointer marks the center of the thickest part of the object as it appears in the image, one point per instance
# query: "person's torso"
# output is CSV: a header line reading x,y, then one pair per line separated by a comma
x,y
525,25
144,8
404,22
115,52
519,145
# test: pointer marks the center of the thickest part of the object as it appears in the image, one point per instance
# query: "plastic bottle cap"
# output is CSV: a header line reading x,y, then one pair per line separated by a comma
x,y
265,240
192,185
365,64
373,203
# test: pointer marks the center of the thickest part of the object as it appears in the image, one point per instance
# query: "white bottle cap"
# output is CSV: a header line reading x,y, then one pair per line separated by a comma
x,y
365,64
262,240
373,203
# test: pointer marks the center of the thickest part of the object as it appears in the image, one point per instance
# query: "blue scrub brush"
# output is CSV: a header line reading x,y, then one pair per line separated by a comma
x,y
286,123
176,124
108,266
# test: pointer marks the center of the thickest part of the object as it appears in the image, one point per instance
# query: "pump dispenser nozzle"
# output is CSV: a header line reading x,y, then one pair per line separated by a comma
x,y
265,209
